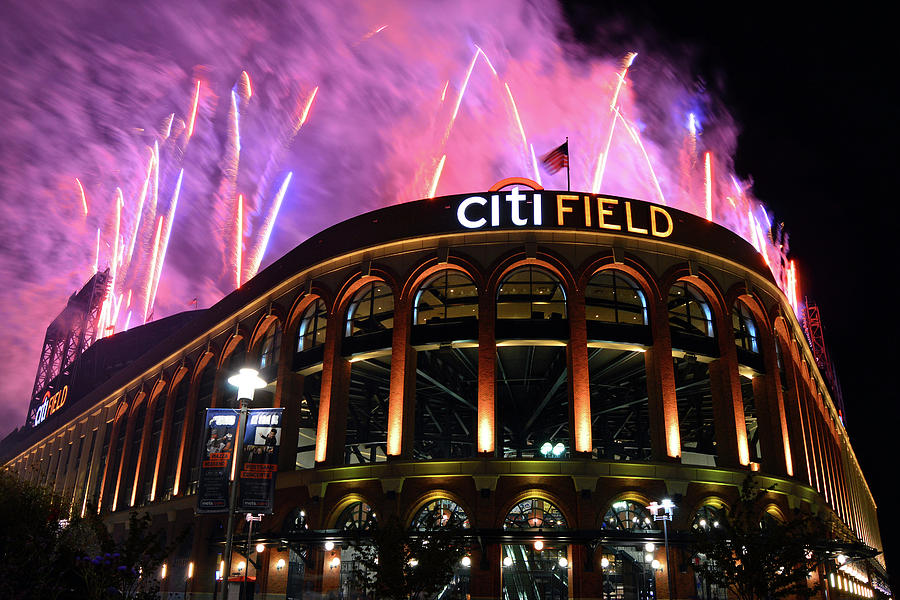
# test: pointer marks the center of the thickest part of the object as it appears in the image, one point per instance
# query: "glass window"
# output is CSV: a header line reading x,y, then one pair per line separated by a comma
x,y
707,517
372,310
309,421
448,296
531,293
779,357
357,517
744,326
627,515
367,411
131,466
440,514
159,409
613,297
542,570
173,449
271,346
689,312
751,419
313,326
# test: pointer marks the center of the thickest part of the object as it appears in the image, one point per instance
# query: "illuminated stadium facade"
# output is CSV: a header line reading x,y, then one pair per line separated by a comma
x,y
532,364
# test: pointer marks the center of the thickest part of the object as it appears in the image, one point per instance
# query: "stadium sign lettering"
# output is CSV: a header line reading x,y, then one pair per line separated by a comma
x,y
50,404
572,210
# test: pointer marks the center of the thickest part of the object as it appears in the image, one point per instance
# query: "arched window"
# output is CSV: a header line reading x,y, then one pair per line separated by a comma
x,y
159,410
357,517
313,326
531,293
448,296
745,332
534,513
627,515
174,440
441,513
204,399
131,466
268,356
707,517
542,568
613,297
689,312
371,310
780,358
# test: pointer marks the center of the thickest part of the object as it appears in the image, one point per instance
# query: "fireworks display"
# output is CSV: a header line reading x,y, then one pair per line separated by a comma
x,y
149,150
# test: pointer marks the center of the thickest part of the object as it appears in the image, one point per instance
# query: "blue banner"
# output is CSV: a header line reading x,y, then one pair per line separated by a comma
x,y
219,433
262,439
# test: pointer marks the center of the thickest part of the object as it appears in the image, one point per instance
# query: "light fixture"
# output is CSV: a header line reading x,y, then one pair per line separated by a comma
x,y
413,562
335,562
558,449
648,557
656,565
280,564
538,545
260,548
190,569
246,381
507,561
240,566
546,448
604,562
162,574
563,562
649,547
466,561
329,545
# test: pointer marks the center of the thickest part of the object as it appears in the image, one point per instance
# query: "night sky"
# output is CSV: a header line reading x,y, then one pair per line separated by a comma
x,y
794,102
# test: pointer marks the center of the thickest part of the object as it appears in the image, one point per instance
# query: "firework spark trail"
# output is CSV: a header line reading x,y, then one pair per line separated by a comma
x,y
239,240
268,226
636,136
629,60
194,106
437,177
708,183
170,220
246,88
603,157
169,121
462,92
487,60
369,35
305,113
512,103
444,91
153,258
140,208
83,199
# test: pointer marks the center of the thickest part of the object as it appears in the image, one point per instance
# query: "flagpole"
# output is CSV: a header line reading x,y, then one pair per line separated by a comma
x,y
568,161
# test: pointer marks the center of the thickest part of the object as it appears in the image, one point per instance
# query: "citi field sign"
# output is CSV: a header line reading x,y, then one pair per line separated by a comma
x,y
536,207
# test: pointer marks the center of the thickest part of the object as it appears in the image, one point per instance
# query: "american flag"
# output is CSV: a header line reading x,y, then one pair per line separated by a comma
x,y
557,158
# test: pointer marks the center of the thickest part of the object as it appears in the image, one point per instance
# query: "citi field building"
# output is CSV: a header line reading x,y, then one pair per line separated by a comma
x,y
530,365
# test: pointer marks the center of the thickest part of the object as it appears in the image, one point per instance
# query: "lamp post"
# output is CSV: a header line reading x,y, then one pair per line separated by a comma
x,y
187,580
247,381
663,512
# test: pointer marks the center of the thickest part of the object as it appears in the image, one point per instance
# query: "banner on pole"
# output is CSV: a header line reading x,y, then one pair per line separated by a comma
x,y
219,433
262,439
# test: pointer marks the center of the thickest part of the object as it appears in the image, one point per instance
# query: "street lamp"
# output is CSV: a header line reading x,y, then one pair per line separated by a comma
x,y
190,575
247,381
663,512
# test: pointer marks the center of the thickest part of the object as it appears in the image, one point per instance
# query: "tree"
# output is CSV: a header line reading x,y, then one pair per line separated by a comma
x,y
47,551
755,555
399,564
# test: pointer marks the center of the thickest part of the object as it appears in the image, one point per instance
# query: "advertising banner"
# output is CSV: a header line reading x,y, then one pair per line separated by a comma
x,y
219,433
260,460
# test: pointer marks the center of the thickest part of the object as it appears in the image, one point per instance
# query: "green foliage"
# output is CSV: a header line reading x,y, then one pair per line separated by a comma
x,y
398,564
46,554
757,556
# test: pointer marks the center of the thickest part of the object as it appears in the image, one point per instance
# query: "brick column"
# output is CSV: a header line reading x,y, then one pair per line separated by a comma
x,y
795,425
484,574
585,574
332,426
402,395
579,391
288,393
665,438
487,372
728,412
